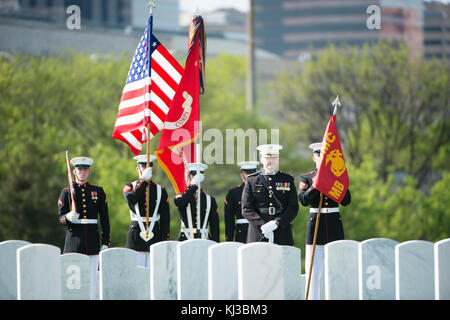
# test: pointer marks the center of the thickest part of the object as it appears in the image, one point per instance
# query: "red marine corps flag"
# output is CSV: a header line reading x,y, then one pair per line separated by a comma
x,y
332,177
181,126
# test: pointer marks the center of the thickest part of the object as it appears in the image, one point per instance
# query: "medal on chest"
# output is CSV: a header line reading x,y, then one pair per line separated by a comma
x,y
283,186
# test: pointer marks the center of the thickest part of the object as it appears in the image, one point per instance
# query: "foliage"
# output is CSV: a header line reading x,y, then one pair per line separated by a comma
x,y
395,106
52,104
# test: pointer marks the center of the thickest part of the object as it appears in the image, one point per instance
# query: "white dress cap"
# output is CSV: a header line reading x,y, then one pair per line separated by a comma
x,y
248,165
142,158
82,162
269,150
315,147
193,167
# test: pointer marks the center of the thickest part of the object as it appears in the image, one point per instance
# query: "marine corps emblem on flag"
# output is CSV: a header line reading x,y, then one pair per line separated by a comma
x,y
337,162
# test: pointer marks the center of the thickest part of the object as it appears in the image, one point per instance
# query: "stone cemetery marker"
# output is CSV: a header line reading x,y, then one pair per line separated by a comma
x,y
442,269
377,269
39,272
119,276
259,268
192,269
8,267
143,283
292,271
75,276
222,271
163,270
414,270
341,270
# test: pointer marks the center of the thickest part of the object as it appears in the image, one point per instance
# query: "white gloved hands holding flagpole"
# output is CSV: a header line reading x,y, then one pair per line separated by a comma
x,y
147,174
72,216
199,178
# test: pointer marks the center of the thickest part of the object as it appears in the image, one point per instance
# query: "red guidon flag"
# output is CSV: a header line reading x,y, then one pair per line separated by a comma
x,y
332,177
181,126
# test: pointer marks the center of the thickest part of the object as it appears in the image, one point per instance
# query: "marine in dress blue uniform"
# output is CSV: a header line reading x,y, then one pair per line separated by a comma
x,y
269,200
186,203
82,235
330,222
159,214
236,225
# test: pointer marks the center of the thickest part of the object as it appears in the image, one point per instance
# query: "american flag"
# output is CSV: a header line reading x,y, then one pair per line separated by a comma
x,y
146,96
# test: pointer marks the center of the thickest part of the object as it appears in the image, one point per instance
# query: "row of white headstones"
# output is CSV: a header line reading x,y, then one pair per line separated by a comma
x,y
199,269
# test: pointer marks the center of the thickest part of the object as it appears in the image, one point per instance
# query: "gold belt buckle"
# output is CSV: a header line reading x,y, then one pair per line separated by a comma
x,y
271,211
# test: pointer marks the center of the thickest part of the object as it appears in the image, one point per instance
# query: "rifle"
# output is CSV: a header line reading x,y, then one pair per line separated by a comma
x,y
69,176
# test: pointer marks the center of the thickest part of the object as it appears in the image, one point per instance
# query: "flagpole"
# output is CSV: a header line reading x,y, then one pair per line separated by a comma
x,y
150,5
314,245
198,156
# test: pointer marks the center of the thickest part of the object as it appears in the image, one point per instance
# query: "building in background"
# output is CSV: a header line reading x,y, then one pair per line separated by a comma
x,y
402,20
289,29
292,28
437,30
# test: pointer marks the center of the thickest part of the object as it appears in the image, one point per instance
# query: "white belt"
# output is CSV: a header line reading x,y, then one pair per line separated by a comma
x,y
241,221
324,210
86,221
135,218
194,230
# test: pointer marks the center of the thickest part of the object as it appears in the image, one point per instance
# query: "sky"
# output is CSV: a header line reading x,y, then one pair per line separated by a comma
x,y
209,5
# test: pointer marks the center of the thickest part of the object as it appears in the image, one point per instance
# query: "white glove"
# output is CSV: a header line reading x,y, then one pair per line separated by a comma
x,y
147,174
199,177
72,216
269,227
103,247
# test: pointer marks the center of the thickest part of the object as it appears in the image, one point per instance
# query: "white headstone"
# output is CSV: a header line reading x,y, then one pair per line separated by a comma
x,y
377,269
163,271
222,271
414,270
119,276
143,283
75,276
260,265
341,270
39,272
292,271
192,269
303,280
442,269
8,267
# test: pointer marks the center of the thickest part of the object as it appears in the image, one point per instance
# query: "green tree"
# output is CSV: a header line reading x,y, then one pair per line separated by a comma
x,y
395,106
